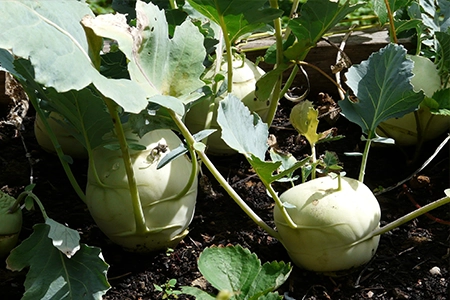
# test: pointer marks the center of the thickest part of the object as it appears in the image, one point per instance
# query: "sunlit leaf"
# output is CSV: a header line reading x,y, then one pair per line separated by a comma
x,y
50,35
237,17
382,87
160,64
242,130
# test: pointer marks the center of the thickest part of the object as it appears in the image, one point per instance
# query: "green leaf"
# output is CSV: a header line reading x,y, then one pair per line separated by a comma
x,y
50,35
152,118
383,88
265,84
315,19
64,238
236,17
237,270
242,130
266,169
170,67
52,275
441,99
197,293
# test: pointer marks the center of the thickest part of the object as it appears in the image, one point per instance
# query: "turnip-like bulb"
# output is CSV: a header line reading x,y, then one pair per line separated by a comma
x,y
69,144
166,217
404,130
245,76
10,224
330,221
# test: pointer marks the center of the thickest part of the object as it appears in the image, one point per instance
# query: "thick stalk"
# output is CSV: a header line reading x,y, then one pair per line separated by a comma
x,y
139,217
276,92
222,181
228,53
406,218
362,170
283,211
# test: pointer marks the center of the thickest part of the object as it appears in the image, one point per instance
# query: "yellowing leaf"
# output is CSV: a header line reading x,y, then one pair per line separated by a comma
x,y
304,119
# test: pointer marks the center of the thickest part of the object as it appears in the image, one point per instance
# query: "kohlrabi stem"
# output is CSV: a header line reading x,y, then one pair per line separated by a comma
x,y
26,194
222,181
406,218
58,148
393,34
362,170
139,217
228,53
278,202
276,92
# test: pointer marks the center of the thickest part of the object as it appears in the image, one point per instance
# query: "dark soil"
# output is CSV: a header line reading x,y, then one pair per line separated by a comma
x,y
400,269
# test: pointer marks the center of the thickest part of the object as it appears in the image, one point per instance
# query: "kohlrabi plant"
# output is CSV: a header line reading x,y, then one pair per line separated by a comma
x,y
243,277
429,22
65,69
245,75
231,73
331,223
167,195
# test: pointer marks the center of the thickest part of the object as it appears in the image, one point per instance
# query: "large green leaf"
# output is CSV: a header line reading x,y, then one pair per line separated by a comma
x,y
50,35
236,17
315,19
240,272
52,275
160,64
242,130
382,85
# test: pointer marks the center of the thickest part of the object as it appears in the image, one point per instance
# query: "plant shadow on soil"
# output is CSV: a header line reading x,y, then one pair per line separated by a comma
x,y
400,269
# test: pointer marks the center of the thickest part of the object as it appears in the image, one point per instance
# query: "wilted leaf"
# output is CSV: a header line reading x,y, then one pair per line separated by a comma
x,y
304,119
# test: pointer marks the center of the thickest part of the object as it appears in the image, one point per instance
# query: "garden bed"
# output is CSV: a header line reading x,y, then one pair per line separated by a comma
x,y
412,261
